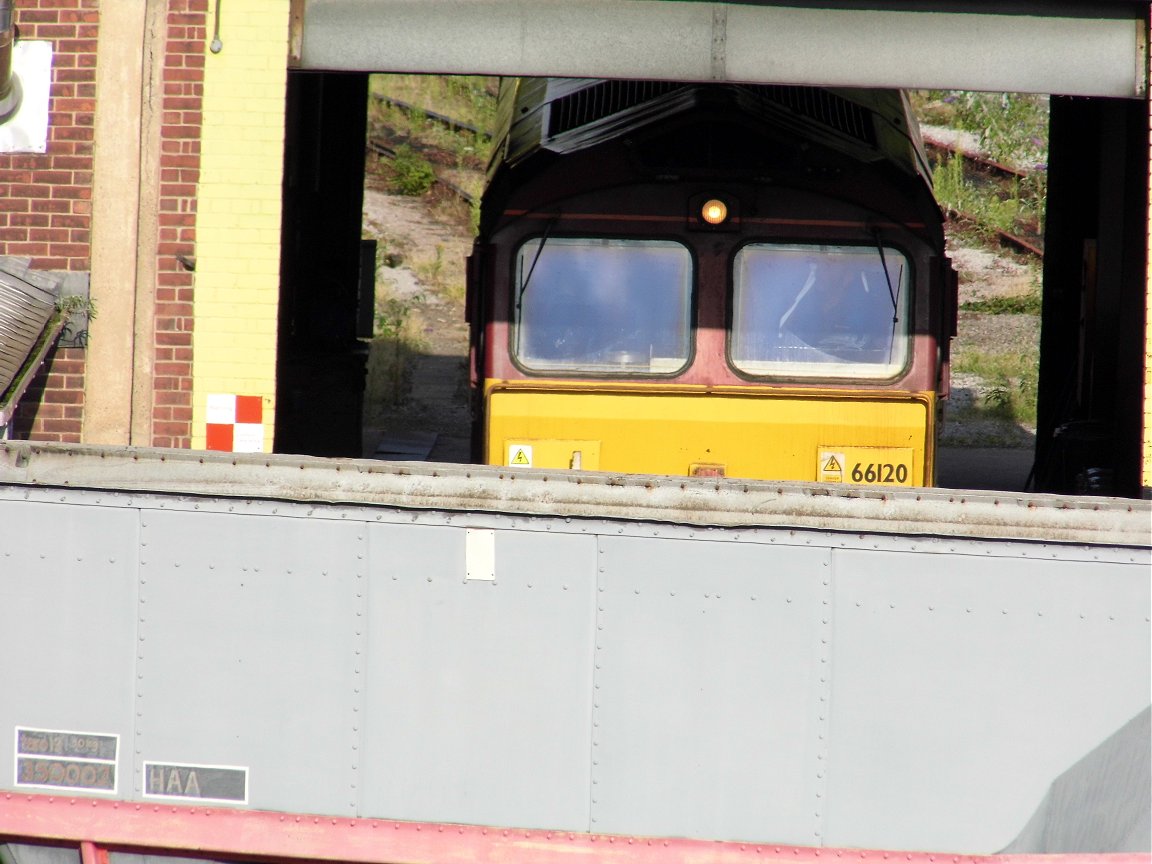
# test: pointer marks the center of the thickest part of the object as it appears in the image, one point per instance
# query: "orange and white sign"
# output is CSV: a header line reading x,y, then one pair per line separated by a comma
x,y
235,423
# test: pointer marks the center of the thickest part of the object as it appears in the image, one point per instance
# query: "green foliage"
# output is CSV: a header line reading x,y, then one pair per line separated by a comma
x,y
1016,304
1012,128
412,173
74,305
392,316
77,313
466,99
391,351
475,97
1012,377
990,208
949,185
470,99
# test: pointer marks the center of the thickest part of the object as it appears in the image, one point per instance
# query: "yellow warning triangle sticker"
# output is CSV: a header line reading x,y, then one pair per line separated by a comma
x,y
832,465
521,458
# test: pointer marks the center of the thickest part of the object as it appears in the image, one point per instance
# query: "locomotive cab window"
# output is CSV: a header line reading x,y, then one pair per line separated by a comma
x,y
602,306
820,311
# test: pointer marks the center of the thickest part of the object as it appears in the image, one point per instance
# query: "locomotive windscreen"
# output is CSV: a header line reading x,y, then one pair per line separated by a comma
x,y
605,306
827,311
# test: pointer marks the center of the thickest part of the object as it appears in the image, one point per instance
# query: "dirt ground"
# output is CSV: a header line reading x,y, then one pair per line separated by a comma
x,y
420,411
416,405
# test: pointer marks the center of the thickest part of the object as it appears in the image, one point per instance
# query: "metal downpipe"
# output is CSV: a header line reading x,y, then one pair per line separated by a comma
x,y
9,83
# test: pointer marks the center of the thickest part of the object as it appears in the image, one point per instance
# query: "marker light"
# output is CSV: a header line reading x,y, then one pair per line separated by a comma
x,y
714,211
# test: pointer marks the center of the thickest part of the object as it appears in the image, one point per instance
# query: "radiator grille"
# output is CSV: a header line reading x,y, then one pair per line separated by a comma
x,y
613,97
825,108
603,100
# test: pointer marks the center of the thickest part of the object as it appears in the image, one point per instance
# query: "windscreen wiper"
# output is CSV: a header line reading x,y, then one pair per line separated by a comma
x,y
532,269
528,277
893,295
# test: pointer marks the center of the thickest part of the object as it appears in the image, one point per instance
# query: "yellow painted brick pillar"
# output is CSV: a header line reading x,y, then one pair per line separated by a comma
x,y
238,228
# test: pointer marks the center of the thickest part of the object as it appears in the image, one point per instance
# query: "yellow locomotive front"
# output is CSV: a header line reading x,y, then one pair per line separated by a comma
x,y
710,326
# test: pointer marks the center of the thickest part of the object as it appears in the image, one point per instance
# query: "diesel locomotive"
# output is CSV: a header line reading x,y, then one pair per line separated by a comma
x,y
709,280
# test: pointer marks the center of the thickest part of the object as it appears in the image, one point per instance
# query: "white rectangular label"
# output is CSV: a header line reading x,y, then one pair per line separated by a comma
x,y
480,554
223,783
63,759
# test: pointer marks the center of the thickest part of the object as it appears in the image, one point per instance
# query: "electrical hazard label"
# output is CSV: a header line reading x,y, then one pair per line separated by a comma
x,y
830,467
520,455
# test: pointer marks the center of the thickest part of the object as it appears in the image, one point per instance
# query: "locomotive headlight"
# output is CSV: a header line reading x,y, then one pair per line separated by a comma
x,y
714,211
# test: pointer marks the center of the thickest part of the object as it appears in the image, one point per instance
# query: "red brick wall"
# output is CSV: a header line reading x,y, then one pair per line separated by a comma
x,y
45,208
52,408
45,199
179,174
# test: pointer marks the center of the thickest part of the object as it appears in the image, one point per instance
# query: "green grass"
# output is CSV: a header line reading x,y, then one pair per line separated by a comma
x,y
1011,128
1016,304
469,99
391,351
412,174
990,208
1010,378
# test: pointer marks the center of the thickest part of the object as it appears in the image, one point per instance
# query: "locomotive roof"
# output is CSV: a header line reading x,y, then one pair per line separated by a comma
x,y
567,115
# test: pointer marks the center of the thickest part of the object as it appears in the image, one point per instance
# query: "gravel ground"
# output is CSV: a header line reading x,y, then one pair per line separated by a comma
x,y
983,275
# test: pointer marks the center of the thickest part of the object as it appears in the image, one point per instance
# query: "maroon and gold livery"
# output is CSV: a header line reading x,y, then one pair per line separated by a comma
x,y
711,280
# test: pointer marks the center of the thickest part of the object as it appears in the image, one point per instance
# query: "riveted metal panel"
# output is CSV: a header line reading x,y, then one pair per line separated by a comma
x,y
67,621
478,702
966,684
616,675
247,656
709,692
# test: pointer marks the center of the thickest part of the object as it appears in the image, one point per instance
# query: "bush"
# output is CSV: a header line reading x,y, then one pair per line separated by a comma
x,y
413,174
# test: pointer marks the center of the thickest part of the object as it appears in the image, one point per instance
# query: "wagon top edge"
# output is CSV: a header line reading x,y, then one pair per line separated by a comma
x,y
711,502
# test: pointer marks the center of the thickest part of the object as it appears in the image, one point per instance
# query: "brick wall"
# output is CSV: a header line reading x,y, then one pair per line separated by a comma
x,y
238,223
45,199
45,208
183,78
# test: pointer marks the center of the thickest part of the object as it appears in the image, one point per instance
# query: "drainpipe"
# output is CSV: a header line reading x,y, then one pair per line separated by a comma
x,y
9,83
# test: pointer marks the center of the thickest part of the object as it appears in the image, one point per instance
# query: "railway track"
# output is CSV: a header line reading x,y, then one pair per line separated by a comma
x,y
986,171
377,145
441,119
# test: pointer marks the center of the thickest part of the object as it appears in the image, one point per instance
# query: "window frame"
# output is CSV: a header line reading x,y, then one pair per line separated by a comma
x,y
807,373
569,370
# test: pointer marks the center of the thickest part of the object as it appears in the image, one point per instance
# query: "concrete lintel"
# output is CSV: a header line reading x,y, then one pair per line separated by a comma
x,y
1073,55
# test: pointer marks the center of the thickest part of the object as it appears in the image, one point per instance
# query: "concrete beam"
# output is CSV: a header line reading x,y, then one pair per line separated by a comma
x,y
1043,52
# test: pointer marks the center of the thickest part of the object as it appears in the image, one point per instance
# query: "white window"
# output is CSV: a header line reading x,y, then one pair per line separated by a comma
x,y
603,306
820,311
